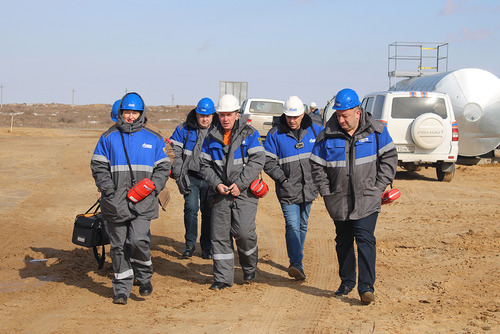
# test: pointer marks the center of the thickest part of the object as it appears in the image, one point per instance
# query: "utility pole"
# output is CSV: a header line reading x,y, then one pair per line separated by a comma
x,y
73,98
172,99
126,91
1,95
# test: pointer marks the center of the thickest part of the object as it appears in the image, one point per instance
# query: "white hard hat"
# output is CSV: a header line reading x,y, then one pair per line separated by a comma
x,y
228,103
293,106
313,105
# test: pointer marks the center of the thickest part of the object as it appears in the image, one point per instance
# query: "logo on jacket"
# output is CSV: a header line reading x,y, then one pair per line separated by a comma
x,y
147,146
362,140
312,140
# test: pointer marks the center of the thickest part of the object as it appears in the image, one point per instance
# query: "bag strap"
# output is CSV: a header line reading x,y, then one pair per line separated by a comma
x,y
128,160
314,131
100,258
97,208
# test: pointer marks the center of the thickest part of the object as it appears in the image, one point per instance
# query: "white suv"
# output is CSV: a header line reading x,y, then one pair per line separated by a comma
x,y
259,113
422,126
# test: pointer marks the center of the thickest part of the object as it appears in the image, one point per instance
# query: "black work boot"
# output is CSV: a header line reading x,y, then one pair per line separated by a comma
x,y
188,252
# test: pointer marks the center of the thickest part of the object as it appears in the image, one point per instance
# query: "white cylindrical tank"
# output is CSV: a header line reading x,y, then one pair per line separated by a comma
x,y
475,95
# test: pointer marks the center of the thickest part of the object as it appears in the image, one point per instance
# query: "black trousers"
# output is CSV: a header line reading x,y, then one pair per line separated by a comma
x,y
362,231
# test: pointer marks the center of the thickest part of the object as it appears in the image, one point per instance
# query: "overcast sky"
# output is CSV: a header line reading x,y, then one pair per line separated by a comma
x,y
160,49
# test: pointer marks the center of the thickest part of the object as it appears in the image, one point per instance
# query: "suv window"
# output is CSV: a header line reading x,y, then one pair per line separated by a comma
x,y
260,107
363,103
243,106
367,104
411,107
379,104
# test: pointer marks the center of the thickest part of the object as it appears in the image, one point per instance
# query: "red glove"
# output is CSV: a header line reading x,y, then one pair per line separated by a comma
x,y
142,189
390,196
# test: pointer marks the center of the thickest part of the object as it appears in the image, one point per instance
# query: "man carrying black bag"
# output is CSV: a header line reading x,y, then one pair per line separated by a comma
x,y
124,154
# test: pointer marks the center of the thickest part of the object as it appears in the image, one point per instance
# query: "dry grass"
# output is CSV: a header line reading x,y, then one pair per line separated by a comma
x,y
93,116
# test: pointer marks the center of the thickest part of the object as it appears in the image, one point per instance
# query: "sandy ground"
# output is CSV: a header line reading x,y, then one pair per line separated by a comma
x,y
438,265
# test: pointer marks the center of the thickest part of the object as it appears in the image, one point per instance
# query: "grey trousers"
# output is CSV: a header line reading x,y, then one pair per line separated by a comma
x,y
130,254
233,218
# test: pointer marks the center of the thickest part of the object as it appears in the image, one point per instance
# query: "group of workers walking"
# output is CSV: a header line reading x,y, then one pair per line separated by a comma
x,y
349,162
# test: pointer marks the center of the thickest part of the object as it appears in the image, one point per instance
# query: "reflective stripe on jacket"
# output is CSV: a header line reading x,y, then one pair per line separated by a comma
x,y
346,167
186,141
224,163
286,159
148,158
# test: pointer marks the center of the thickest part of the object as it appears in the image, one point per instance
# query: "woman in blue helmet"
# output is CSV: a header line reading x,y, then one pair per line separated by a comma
x,y
187,140
164,195
114,110
129,222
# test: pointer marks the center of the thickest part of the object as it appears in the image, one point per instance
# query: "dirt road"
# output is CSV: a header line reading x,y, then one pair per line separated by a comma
x,y
438,264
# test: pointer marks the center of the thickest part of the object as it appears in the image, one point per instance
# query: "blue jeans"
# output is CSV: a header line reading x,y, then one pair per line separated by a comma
x,y
194,201
363,231
296,216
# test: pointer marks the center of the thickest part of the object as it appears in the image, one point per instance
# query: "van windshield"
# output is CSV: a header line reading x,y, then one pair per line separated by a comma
x,y
412,107
261,107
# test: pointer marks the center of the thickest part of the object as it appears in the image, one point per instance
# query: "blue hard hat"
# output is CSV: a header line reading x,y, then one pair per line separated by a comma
x,y
205,106
132,101
346,99
114,110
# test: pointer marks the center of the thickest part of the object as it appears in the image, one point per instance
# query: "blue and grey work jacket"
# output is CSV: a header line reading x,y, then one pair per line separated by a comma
x,y
287,160
186,141
240,162
148,157
349,173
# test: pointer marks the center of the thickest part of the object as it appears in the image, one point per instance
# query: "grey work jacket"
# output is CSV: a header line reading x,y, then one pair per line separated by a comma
x,y
349,173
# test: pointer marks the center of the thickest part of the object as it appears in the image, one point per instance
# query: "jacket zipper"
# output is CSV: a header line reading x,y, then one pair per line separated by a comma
x,y
351,171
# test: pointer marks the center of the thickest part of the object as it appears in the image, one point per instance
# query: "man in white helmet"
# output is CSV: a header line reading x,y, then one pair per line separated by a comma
x,y
288,148
232,156
315,114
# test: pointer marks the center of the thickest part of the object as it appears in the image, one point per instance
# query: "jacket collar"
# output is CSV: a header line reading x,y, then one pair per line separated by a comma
x,y
131,127
217,131
192,122
283,126
366,124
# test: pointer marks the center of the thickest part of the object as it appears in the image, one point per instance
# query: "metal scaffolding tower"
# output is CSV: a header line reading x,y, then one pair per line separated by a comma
x,y
415,59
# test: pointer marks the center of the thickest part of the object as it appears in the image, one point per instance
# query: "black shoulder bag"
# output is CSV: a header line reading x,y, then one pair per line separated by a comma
x,y
90,230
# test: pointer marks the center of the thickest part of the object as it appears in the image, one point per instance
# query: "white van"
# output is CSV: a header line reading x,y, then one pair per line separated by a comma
x,y
259,113
422,126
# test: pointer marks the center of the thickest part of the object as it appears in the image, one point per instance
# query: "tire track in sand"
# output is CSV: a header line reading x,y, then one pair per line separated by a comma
x,y
302,305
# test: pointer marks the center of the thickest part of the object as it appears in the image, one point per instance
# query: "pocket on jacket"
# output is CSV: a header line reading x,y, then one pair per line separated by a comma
x,y
114,208
336,205
286,190
372,198
147,207
184,184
